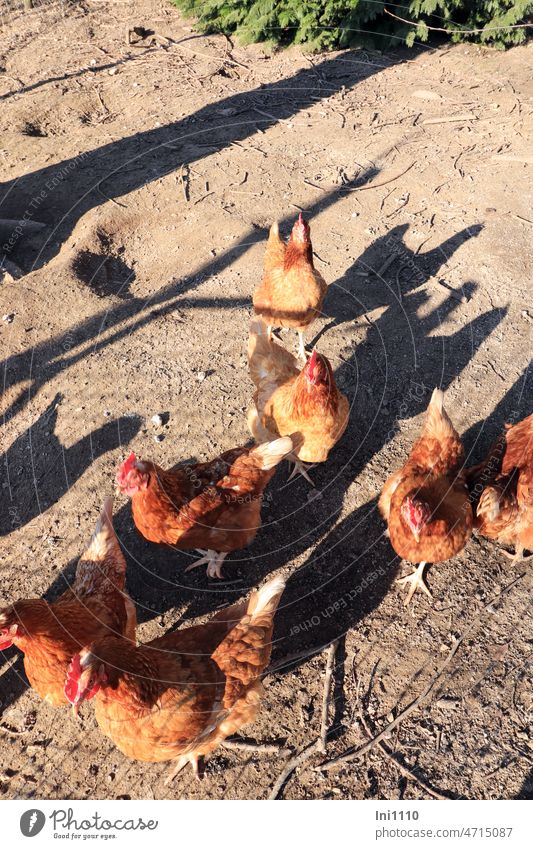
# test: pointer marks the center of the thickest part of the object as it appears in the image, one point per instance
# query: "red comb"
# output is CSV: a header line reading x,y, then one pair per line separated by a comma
x,y
126,467
73,676
312,361
129,463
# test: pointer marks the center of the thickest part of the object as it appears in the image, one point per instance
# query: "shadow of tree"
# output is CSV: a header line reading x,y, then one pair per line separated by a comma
x,y
52,195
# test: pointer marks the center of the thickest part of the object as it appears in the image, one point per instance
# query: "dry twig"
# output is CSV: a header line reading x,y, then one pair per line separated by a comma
x,y
351,755
332,652
318,745
267,748
293,764
411,776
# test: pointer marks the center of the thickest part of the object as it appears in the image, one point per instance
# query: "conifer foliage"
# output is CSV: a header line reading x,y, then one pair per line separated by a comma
x,y
326,24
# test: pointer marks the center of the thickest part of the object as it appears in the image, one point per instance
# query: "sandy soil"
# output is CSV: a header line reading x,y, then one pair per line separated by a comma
x,y
156,168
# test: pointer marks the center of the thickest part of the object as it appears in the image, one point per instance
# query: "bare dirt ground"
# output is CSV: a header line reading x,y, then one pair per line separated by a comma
x,y
156,168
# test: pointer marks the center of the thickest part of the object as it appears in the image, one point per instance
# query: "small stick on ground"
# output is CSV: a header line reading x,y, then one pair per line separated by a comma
x,y
184,180
391,757
293,764
381,271
266,748
352,754
318,745
377,185
330,665
449,119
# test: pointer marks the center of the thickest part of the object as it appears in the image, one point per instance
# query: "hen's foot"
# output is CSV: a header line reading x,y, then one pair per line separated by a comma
x,y
301,469
214,560
180,763
518,556
416,579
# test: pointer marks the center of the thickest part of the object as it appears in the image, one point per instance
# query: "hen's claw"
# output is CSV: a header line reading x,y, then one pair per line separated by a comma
x,y
301,469
518,556
180,763
214,560
416,579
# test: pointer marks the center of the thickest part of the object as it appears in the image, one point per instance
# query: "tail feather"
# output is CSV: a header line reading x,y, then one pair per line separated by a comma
x,y
104,539
489,504
438,422
269,454
259,351
103,557
266,599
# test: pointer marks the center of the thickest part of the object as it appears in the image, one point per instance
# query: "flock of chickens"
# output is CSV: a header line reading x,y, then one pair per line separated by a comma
x,y
178,697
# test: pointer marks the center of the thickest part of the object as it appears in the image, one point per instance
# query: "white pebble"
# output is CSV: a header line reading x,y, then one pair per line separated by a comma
x,y
201,376
8,317
157,420
158,437
107,413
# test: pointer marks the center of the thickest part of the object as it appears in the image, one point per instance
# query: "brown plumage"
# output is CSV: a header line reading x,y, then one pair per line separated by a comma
x,y
292,291
502,489
303,403
95,605
426,503
178,697
214,507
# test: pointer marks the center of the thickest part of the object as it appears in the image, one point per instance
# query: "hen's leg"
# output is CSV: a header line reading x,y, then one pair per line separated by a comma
x,y
214,560
301,469
191,759
301,347
416,579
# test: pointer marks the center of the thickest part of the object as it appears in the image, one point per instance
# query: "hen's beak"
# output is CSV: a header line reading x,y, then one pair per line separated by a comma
x,y
75,711
416,535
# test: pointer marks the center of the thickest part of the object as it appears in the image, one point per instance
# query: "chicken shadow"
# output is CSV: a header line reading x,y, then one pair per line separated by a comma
x,y
38,456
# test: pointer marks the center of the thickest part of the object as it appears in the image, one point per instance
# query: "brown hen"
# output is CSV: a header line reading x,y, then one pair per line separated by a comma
x,y
178,697
95,605
213,507
502,489
426,503
303,403
292,291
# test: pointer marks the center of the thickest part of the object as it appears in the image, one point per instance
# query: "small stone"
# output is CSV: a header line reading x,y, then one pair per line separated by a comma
x,y
157,420
158,437
92,62
107,413
112,72
8,317
201,375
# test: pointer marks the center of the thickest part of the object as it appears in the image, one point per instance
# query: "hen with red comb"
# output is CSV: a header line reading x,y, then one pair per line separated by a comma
x,y
212,507
303,403
426,503
49,634
292,291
